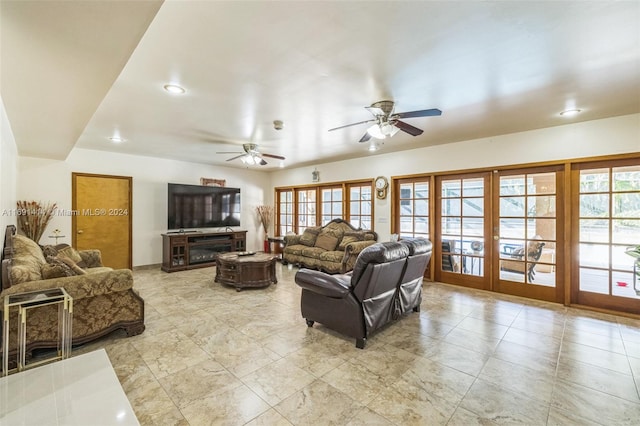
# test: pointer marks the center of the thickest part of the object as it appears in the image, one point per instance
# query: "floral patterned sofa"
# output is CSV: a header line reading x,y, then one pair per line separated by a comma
x,y
332,248
103,299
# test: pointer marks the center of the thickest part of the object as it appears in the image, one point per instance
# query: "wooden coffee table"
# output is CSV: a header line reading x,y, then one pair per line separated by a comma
x,y
242,270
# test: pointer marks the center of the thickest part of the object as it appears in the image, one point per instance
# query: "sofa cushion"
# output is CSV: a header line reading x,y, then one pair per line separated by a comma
x,y
309,237
332,256
326,242
350,237
312,252
295,249
26,261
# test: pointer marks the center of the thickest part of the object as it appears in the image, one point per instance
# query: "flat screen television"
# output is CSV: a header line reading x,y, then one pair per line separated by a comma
x,y
197,206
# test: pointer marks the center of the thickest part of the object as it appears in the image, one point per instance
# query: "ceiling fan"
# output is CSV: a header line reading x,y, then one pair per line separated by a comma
x,y
388,123
251,156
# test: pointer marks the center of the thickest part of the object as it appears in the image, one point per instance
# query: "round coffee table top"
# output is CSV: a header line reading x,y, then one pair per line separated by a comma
x,y
248,257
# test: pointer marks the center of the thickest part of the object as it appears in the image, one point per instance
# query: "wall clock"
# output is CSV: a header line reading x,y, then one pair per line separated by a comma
x,y
382,184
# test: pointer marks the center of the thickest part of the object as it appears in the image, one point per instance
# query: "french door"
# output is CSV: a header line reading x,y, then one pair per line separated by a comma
x,y
528,229
462,230
500,231
562,233
606,223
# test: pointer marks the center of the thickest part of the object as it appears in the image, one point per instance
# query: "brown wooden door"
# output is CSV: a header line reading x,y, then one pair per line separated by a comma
x,y
102,219
605,224
463,230
528,225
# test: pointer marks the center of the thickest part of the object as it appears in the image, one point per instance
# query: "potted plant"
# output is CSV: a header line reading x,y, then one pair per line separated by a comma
x,y
33,218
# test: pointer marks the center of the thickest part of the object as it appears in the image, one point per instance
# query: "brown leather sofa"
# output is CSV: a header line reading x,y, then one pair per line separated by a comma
x,y
385,283
103,298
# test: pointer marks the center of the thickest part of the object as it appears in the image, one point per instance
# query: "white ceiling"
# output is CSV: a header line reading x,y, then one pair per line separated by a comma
x,y
491,67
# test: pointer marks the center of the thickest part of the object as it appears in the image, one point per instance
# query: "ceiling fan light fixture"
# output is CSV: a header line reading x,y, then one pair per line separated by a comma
x,y
249,160
376,132
388,129
382,130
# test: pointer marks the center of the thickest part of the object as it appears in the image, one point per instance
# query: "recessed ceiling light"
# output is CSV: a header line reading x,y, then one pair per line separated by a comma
x,y
570,112
174,88
116,139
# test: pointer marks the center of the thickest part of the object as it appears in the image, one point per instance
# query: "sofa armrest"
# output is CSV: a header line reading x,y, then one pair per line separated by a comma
x,y
291,240
81,286
91,258
351,252
336,286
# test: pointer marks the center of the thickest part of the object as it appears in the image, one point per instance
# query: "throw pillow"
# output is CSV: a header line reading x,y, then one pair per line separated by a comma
x,y
71,264
309,236
54,271
350,237
66,265
49,251
58,268
71,253
26,261
326,242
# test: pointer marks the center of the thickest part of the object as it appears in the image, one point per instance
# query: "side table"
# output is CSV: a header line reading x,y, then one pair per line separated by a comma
x,y
277,243
31,300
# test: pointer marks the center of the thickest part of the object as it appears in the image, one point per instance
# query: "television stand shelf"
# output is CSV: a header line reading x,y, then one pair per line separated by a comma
x,y
190,250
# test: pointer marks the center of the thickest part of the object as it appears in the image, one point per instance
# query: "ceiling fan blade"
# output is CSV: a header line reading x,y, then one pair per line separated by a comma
x,y
407,128
277,157
422,113
365,138
349,125
236,157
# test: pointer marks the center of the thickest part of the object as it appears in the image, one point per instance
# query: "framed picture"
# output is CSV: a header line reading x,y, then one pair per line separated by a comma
x,y
212,182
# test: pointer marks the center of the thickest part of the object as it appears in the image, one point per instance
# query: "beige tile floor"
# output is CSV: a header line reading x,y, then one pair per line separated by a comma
x,y
211,355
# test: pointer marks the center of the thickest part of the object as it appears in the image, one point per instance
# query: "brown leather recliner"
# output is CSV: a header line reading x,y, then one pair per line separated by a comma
x,y
385,283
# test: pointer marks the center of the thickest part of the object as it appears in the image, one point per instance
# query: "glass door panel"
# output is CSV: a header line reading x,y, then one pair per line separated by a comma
x,y
413,212
462,230
607,224
306,199
331,205
526,232
285,212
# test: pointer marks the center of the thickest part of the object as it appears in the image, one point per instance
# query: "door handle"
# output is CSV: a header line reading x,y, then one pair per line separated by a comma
x,y
80,231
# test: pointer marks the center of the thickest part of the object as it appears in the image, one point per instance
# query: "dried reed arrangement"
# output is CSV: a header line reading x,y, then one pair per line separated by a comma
x,y
33,217
265,214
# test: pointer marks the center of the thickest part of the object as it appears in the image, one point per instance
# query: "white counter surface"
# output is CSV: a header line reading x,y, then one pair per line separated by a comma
x,y
82,390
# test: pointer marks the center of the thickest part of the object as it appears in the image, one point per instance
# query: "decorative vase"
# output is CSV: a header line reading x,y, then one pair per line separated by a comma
x,y
266,245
